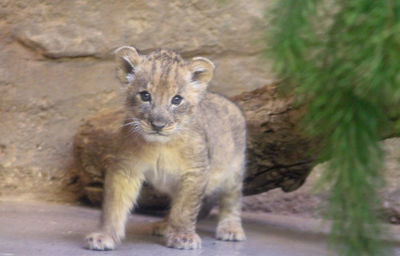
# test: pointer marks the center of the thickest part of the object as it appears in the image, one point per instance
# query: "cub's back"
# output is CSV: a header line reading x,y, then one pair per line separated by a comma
x,y
224,126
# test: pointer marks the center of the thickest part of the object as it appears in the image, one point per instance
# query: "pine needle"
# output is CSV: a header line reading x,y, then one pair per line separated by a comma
x,y
342,58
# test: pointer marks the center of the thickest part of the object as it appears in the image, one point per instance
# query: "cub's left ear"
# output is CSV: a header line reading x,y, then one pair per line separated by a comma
x,y
202,70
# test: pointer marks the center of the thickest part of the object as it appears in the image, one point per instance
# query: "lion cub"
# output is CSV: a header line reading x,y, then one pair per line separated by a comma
x,y
185,141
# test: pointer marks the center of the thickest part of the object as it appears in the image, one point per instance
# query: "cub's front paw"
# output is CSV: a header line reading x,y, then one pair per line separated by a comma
x,y
230,231
100,242
183,240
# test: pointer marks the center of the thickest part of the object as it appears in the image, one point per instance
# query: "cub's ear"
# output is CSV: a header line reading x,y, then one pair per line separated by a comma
x,y
128,59
202,70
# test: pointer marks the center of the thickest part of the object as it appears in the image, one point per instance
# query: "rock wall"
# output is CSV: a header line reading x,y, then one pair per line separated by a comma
x,y
56,69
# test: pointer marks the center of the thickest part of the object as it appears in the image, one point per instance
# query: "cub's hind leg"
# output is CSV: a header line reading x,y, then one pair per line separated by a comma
x,y
230,223
159,227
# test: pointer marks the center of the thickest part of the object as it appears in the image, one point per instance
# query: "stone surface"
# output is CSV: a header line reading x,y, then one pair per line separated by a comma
x,y
229,33
57,70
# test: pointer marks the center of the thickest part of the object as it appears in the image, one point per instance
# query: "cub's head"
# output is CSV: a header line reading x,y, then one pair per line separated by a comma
x,y
163,90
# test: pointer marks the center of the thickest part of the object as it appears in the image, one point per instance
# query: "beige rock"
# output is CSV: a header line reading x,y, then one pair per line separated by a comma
x,y
56,70
86,28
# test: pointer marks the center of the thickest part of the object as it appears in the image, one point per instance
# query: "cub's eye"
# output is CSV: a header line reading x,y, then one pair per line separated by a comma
x,y
145,96
176,100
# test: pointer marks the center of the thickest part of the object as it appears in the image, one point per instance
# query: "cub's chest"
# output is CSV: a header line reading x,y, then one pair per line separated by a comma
x,y
165,168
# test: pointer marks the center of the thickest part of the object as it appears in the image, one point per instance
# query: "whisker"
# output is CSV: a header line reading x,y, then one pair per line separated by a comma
x,y
135,126
127,124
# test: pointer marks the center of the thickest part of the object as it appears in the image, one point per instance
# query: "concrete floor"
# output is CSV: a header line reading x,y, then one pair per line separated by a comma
x,y
32,228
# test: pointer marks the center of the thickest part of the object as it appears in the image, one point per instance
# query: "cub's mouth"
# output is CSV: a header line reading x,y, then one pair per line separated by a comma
x,y
150,131
157,129
153,133
159,137
157,134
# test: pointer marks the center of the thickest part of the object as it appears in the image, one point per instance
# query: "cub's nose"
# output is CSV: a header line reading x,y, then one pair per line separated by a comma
x,y
157,126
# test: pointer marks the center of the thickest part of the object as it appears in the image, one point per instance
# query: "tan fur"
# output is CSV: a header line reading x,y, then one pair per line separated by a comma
x,y
198,152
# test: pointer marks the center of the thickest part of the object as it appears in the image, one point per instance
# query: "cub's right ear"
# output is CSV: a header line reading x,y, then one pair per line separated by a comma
x,y
127,59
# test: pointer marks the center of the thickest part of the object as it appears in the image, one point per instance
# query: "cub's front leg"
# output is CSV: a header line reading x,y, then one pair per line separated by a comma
x,y
121,190
181,228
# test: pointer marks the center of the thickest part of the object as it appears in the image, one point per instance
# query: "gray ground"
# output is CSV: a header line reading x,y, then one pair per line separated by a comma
x,y
32,228
48,229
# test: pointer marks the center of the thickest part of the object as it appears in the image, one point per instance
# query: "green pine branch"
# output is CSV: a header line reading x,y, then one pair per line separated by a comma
x,y
343,62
